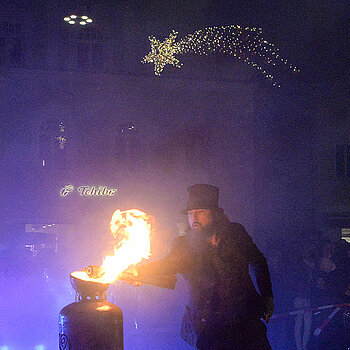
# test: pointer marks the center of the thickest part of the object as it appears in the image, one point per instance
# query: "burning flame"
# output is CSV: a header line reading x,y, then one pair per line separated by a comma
x,y
131,230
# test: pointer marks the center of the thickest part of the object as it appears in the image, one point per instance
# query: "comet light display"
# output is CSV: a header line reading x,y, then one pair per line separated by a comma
x,y
247,44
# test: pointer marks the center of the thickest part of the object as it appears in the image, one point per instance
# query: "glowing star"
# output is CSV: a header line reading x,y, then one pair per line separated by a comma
x,y
247,44
162,53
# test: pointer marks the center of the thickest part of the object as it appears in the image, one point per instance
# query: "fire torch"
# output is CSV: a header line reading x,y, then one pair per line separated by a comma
x,y
91,322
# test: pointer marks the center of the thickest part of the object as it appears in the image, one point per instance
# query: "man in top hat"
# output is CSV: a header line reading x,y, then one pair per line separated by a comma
x,y
214,256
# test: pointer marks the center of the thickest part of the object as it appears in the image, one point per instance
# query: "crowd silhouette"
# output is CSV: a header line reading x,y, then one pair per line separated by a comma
x,y
311,284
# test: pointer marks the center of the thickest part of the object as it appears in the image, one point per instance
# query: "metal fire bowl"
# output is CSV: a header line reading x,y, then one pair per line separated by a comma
x,y
84,287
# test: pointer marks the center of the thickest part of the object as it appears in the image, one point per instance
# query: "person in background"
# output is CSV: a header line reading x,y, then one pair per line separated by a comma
x,y
278,331
336,335
304,271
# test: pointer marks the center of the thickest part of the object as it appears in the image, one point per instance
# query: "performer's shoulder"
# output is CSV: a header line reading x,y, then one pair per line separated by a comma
x,y
237,227
239,232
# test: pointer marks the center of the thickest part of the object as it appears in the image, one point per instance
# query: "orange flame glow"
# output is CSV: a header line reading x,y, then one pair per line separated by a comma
x,y
131,231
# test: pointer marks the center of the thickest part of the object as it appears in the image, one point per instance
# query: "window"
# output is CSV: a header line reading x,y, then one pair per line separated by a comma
x,y
81,48
345,234
83,51
2,51
11,44
16,52
97,55
342,161
90,49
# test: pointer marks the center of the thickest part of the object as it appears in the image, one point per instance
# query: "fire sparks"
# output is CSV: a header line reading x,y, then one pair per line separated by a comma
x,y
131,231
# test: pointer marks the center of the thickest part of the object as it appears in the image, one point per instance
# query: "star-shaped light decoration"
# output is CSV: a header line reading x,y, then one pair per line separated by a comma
x,y
247,44
162,53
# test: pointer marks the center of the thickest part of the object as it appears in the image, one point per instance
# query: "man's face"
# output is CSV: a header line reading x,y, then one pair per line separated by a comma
x,y
200,219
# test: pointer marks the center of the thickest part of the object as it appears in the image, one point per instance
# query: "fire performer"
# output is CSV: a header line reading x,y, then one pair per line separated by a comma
x,y
214,257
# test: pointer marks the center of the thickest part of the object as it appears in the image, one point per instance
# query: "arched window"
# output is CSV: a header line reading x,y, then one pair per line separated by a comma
x,y
90,49
80,48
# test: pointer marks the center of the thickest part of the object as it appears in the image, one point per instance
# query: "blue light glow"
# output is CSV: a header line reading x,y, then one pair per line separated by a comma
x,y
40,347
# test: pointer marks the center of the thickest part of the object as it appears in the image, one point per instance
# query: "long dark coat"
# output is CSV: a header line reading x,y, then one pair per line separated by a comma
x,y
221,290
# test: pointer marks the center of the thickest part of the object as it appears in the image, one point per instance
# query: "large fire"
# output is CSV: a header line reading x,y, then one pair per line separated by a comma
x,y
131,231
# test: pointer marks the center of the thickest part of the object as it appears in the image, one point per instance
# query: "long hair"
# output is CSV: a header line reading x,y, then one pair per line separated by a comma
x,y
221,225
221,221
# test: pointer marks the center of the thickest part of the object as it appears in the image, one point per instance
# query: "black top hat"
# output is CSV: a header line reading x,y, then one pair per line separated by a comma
x,y
202,196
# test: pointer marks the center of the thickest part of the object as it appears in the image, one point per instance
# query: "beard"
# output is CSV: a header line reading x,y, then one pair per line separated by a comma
x,y
203,231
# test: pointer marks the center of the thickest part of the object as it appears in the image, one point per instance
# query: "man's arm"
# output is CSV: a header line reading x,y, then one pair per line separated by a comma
x,y
258,263
174,262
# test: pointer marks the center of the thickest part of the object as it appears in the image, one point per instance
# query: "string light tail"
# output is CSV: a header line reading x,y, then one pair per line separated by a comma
x,y
247,44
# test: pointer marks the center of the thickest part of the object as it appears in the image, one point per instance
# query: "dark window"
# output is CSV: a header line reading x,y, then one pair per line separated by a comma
x,y
90,49
348,161
342,161
83,55
2,51
3,28
97,55
16,52
11,44
14,30
90,34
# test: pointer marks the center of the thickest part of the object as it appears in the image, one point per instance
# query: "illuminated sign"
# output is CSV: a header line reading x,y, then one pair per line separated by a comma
x,y
89,191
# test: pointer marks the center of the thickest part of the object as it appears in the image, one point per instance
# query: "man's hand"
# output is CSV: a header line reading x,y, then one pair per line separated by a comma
x,y
133,271
269,308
